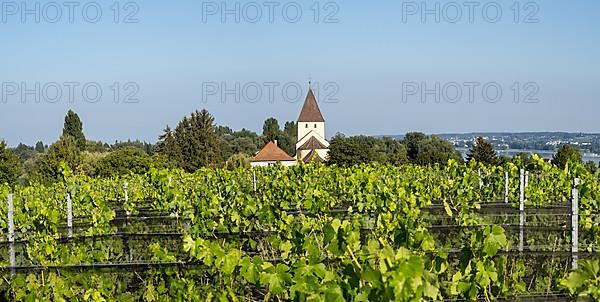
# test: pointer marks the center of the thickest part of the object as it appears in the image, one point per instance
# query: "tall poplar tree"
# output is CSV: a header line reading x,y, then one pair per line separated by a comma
x,y
74,128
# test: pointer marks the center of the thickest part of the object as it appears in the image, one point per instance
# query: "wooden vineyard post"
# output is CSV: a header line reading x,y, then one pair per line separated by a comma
x,y
480,180
574,224
69,216
11,234
526,178
521,209
505,187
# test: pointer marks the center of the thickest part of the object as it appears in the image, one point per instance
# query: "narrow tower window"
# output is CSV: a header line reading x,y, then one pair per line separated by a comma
x,y
315,126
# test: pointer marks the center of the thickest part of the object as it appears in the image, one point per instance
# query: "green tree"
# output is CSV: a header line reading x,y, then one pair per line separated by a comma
x,y
167,145
483,152
413,141
96,146
193,144
566,154
348,151
74,128
10,165
271,130
428,150
289,138
39,147
234,142
25,152
148,148
89,162
48,167
396,151
123,161
435,150
205,136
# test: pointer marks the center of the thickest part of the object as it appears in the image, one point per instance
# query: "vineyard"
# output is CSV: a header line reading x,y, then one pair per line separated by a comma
x,y
308,232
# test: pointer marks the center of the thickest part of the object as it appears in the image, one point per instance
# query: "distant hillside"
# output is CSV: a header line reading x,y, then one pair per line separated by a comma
x,y
586,142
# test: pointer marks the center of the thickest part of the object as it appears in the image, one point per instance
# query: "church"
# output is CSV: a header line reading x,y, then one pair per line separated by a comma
x,y
311,146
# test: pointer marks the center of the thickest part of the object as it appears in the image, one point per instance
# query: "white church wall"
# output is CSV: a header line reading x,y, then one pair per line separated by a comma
x,y
305,128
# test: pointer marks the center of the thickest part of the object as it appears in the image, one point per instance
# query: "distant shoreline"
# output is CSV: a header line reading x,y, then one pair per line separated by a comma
x,y
546,154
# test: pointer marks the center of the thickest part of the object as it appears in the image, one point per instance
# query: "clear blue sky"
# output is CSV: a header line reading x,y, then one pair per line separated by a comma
x,y
370,54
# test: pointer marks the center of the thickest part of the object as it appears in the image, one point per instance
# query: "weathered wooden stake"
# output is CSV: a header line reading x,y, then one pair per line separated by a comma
x,y
480,180
575,224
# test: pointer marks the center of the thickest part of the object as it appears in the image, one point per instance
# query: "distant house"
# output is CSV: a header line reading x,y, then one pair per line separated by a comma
x,y
311,145
270,155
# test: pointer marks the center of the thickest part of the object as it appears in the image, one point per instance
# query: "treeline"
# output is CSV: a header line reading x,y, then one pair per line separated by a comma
x,y
416,148
197,142
419,149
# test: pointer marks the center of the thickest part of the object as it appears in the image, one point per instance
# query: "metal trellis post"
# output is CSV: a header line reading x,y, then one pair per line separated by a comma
x,y
505,187
11,234
126,196
128,213
521,209
574,224
69,216
254,180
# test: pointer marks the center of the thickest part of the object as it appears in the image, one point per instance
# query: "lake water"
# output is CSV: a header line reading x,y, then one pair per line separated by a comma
x,y
546,154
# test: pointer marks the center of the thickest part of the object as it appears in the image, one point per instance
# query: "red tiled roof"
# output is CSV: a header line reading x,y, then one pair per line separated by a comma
x,y
310,110
312,143
270,152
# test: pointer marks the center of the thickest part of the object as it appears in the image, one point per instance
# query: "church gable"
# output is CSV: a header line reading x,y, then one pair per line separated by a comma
x,y
312,143
313,156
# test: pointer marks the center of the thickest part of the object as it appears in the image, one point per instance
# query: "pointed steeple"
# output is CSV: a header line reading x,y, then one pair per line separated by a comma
x,y
310,110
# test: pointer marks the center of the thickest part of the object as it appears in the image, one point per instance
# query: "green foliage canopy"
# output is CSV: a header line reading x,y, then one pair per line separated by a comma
x,y
10,165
